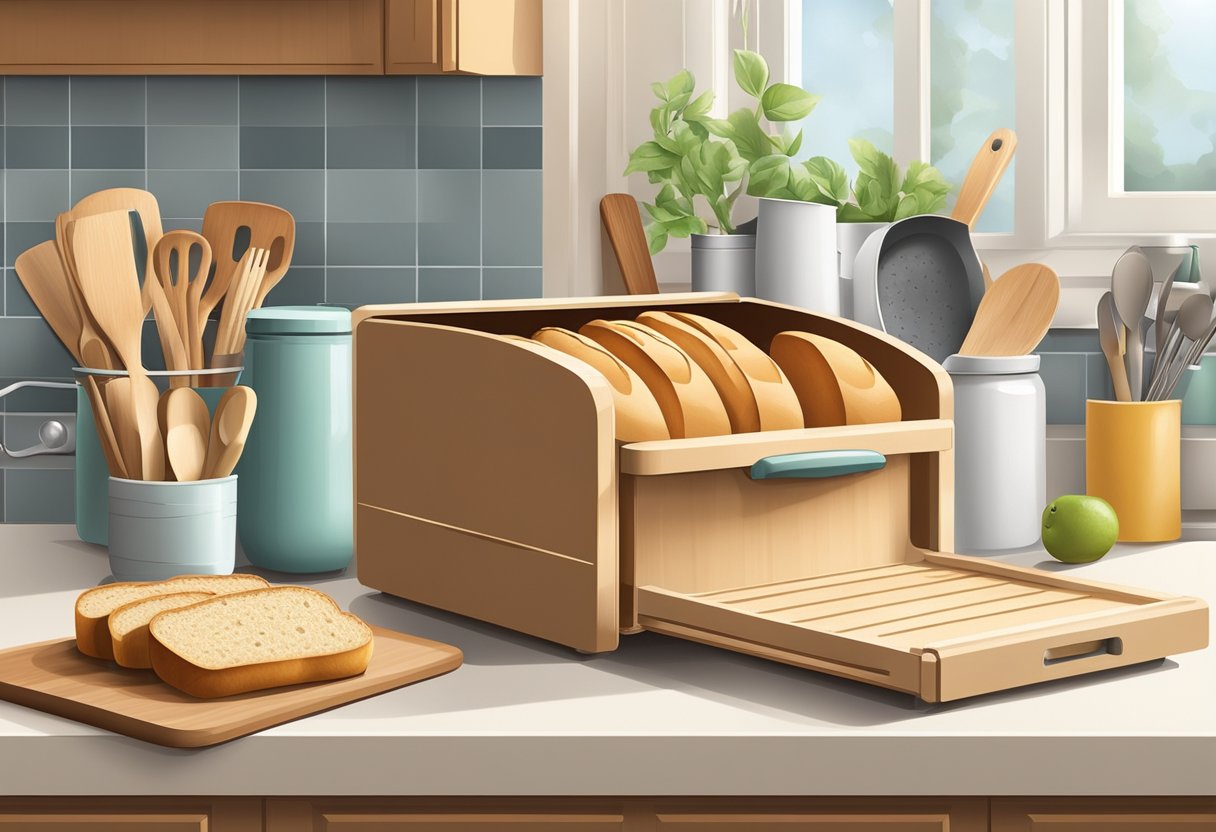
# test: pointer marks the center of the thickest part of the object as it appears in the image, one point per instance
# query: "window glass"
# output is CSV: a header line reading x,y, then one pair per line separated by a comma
x,y
847,58
1169,95
971,92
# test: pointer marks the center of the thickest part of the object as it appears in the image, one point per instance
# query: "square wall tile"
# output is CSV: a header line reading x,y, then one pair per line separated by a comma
x,y
511,218
361,286
108,148
1065,375
39,495
369,147
17,303
301,286
280,148
508,283
302,192
449,121
193,147
370,102
449,218
35,147
511,148
511,101
29,349
18,236
38,399
448,284
282,100
85,182
310,244
1099,384
371,196
36,195
108,99
39,100
370,244
192,100
187,193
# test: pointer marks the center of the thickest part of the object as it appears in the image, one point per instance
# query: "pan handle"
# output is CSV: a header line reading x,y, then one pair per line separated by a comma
x,y
816,465
984,175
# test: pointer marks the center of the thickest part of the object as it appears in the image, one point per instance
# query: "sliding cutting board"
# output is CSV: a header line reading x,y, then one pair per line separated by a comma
x,y
55,677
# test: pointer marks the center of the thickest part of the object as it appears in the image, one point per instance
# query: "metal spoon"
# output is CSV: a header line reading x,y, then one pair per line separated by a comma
x,y
1108,336
1193,356
1131,286
1194,318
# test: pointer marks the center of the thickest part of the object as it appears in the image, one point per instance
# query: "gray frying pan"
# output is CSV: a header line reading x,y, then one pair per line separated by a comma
x,y
919,278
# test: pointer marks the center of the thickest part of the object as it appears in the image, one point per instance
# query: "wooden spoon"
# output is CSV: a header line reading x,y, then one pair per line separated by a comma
x,y
1015,313
95,351
105,258
1108,337
229,430
188,285
269,227
188,424
41,273
120,408
105,430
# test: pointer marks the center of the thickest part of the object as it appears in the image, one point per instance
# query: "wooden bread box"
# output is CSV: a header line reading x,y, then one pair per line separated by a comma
x,y
488,482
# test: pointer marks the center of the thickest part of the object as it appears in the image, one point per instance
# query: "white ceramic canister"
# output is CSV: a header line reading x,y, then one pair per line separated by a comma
x,y
1000,451
796,255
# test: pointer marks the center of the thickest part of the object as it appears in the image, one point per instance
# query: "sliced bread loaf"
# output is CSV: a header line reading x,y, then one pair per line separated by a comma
x,y
94,606
263,638
129,624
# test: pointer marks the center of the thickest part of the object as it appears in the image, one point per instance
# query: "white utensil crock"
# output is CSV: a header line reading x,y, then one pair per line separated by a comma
x,y
796,255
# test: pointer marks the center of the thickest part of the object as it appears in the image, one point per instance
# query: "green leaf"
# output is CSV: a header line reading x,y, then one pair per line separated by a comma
x,y
698,108
830,180
685,226
785,102
800,185
927,185
751,72
661,214
849,212
878,181
659,91
793,147
649,156
656,237
681,84
768,176
908,206
749,139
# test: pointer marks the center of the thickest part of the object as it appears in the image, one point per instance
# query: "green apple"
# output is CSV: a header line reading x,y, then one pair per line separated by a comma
x,y
1079,529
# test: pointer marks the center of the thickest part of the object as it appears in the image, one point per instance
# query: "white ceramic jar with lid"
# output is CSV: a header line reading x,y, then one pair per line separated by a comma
x,y
1000,451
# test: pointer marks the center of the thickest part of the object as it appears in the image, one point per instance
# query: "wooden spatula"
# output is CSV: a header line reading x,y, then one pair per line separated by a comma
x,y
620,217
268,227
105,430
95,351
41,273
188,284
109,281
229,430
1015,313
126,199
187,426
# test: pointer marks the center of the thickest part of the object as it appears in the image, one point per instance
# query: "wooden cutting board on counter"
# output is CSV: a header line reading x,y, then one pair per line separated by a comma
x,y
53,676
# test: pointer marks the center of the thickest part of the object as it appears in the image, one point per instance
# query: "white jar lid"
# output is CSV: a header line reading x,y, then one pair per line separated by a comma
x,y
991,365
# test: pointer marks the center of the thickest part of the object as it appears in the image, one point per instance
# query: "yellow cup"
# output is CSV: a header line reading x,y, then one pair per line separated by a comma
x,y
1132,460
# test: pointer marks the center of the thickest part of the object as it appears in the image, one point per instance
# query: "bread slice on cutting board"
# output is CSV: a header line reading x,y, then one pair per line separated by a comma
x,y
638,417
756,393
129,625
263,638
690,404
94,606
835,385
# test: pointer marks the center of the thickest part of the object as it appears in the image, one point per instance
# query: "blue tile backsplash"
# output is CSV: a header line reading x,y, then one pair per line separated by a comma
x,y
403,189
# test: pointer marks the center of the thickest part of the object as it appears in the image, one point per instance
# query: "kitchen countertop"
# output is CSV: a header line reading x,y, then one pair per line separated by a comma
x,y
657,717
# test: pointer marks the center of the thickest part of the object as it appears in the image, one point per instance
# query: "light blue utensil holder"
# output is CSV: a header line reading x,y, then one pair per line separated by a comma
x,y
162,529
92,475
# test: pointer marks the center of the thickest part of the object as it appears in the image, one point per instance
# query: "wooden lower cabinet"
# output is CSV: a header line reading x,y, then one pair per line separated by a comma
x,y
1104,814
137,814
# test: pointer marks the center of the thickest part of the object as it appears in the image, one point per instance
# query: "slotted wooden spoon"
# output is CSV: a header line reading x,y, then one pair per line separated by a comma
x,y
229,430
1015,313
187,284
109,281
269,227
41,273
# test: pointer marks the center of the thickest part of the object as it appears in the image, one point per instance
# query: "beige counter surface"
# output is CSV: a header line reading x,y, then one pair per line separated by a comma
x,y
657,717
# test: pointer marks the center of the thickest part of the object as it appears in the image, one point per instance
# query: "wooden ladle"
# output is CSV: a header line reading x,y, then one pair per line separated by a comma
x,y
229,430
1015,313
187,427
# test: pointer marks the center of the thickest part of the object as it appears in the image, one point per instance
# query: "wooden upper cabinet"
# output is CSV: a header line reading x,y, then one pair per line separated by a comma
x,y
464,37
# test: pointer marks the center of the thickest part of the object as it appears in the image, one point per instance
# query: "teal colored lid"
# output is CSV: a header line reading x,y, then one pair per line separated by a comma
x,y
298,320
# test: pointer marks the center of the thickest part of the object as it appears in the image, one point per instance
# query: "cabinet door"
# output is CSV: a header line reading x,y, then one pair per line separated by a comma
x,y
192,37
491,37
411,37
137,814
825,815
1104,814
453,815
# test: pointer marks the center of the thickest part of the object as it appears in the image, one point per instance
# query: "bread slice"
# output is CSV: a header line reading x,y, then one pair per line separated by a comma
x,y
129,624
94,606
690,404
638,417
264,638
835,385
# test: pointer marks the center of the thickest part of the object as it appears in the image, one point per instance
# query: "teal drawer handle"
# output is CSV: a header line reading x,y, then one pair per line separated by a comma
x,y
817,464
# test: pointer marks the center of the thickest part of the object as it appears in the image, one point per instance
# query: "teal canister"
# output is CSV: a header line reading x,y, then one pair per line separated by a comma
x,y
295,510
